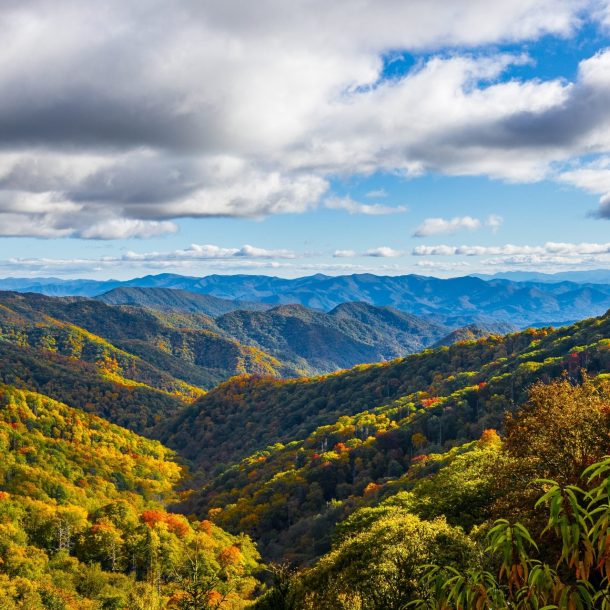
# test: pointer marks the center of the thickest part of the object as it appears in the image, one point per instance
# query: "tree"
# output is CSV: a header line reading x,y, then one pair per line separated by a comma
x,y
573,571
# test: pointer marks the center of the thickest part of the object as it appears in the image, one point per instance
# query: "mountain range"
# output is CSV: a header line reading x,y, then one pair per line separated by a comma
x,y
203,340
453,302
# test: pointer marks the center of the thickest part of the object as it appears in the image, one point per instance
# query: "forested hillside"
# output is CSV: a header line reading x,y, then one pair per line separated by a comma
x,y
351,484
172,334
313,449
83,524
350,334
99,351
499,524
166,299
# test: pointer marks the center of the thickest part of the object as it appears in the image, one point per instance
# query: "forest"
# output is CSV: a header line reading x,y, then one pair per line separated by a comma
x,y
430,481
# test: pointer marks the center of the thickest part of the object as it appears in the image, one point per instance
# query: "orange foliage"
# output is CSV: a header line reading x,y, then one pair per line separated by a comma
x,y
489,437
371,489
214,598
430,402
205,526
152,517
176,524
230,556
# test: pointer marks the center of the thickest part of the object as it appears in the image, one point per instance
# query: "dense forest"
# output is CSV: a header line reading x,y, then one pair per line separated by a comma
x,y
472,475
83,523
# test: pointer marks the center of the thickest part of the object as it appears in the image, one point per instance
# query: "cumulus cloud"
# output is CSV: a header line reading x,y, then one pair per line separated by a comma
x,y
139,114
353,207
593,177
383,252
442,226
344,253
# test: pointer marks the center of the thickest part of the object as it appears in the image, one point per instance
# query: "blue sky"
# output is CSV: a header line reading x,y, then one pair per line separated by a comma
x,y
434,138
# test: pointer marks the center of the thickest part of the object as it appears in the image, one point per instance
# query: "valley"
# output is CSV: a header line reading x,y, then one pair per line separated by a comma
x,y
293,451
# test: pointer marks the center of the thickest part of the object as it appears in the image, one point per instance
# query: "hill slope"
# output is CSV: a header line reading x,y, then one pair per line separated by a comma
x,y
83,524
124,365
312,449
352,333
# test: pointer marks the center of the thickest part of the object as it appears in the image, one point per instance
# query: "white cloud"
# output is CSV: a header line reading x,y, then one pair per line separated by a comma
x,y
442,226
123,228
548,249
247,109
444,266
594,178
353,207
494,222
377,194
208,252
344,253
383,252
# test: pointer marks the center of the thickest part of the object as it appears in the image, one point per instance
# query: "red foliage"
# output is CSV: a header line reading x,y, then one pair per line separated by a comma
x,y
152,517
430,402
419,458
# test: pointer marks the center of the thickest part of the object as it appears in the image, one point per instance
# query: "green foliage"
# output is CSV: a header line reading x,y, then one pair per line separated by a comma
x,y
573,573
309,452
83,524
379,567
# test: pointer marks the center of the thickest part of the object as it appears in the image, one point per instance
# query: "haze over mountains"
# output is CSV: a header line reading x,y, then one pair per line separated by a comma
x,y
454,302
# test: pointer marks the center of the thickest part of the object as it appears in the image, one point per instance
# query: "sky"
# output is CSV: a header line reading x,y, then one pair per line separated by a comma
x,y
293,138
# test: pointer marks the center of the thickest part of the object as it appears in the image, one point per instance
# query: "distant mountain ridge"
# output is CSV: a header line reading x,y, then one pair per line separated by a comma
x,y
165,299
590,276
352,333
170,337
455,301
309,340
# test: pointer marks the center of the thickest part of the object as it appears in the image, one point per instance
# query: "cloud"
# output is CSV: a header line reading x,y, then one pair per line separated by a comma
x,y
123,228
548,249
377,194
196,259
442,226
140,114
353,207
444,266
344,253
594,178
383,252
209,252
494,222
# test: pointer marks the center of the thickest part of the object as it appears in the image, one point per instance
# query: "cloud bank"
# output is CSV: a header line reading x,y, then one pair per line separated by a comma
x,y
119,117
